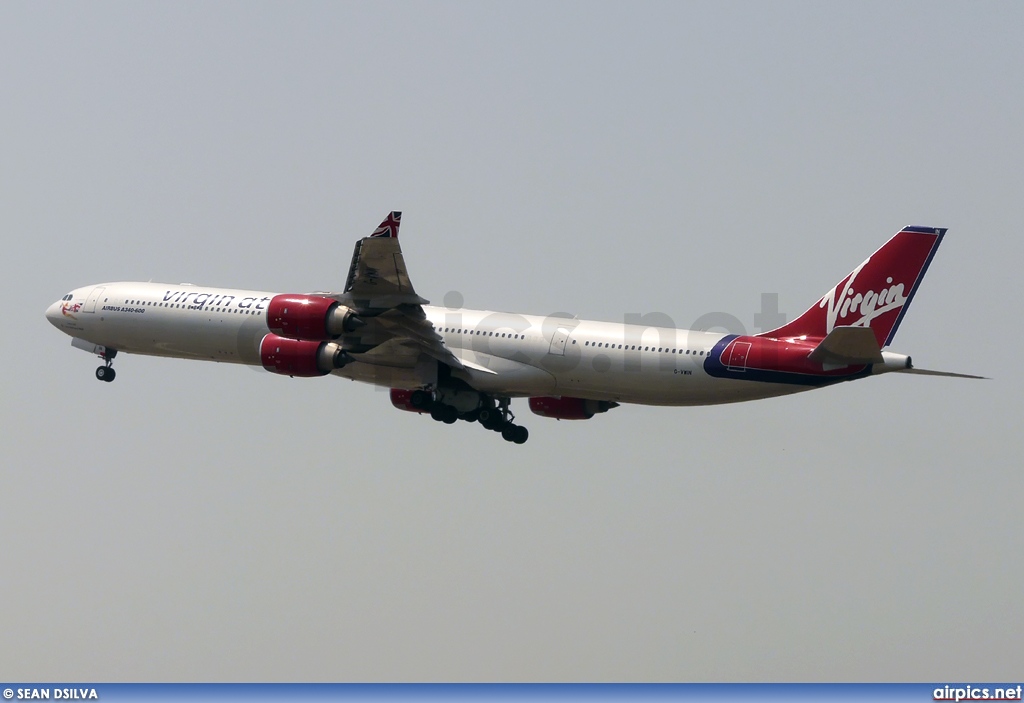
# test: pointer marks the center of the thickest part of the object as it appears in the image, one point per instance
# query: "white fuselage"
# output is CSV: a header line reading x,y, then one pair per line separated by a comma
x,y
504,354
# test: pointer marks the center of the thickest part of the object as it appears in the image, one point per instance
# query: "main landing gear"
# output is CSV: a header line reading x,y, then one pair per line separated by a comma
x,y
106,372
491,415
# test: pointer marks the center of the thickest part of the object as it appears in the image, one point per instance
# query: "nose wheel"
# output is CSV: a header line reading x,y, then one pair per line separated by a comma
x,y
106,372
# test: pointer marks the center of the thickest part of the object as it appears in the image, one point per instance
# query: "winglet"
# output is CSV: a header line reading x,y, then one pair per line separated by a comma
x,y
389,227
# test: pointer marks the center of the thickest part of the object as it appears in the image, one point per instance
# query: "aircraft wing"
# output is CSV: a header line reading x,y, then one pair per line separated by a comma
x,y
379,290
377,279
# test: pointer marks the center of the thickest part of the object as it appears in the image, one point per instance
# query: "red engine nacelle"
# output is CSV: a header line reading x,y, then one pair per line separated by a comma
x,y
566,408
311,317
402,400
300,357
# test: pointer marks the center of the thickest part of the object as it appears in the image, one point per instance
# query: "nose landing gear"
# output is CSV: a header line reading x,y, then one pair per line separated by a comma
x,y
106,372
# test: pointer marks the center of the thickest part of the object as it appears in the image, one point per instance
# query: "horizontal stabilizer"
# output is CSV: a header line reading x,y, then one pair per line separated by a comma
x,y
847,346
949,374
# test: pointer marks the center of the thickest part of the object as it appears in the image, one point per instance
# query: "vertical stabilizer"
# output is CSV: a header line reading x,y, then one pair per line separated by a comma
x,y
876,294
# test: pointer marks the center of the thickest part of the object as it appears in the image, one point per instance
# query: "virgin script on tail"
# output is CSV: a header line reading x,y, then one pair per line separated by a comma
x,y
870,305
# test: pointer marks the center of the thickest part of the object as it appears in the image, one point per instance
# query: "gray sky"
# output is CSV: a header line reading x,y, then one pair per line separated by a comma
x,y
211,522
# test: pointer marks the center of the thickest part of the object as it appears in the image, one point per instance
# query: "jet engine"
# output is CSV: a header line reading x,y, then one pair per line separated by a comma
x,y
413,401
311,317
297,357
566,408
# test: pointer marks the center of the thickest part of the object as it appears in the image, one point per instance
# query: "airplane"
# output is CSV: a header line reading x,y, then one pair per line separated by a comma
x,y
462,364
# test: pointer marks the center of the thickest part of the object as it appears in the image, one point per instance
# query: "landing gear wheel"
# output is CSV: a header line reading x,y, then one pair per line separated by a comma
x,y
444,413
498,417
486,416
106,372
420,399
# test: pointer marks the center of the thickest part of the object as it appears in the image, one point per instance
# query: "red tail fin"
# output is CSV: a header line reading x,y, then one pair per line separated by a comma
x,y
876,294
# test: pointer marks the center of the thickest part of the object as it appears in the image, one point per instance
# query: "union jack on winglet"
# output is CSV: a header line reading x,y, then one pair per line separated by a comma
x,y
389,227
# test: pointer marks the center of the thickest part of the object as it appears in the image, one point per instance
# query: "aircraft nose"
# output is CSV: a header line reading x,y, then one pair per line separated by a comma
x,y
53,314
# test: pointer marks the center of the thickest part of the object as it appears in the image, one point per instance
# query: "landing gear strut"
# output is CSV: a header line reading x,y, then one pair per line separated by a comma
x,y
500,419
493,414
106,372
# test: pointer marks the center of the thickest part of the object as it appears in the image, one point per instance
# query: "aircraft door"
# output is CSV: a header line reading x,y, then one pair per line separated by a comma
x,y
90,302
558,340
738,352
